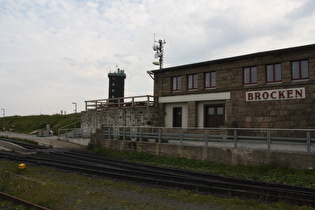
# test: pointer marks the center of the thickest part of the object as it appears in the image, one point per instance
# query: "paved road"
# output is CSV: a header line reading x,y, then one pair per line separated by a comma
x,y
45,141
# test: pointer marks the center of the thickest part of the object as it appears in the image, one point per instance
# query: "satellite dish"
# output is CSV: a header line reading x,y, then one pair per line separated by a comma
x,y
157,54
156,47
156,63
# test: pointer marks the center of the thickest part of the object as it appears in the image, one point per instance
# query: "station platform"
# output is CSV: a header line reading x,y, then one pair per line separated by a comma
x,y
50,141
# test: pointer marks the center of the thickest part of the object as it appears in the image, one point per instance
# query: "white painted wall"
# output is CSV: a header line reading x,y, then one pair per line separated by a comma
x,y
169,114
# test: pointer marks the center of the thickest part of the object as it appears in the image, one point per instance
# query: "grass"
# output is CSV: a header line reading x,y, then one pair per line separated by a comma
x,y
265,172
57,189
27,124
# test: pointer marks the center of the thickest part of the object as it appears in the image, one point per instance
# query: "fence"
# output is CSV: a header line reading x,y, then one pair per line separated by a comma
x,y
297,140
66,133
125,102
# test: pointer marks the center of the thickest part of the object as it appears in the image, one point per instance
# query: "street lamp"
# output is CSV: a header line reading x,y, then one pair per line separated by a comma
x,y
75,107
3,112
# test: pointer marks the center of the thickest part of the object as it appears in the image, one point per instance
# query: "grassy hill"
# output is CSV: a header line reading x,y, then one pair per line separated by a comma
x,y
27,124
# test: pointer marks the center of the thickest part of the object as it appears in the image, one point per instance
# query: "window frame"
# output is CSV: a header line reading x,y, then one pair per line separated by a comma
x,y
274,73
252,77
177,80
192,81
300,70
210,79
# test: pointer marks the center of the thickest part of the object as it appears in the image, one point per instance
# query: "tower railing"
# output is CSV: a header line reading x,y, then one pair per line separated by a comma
x,y
124,102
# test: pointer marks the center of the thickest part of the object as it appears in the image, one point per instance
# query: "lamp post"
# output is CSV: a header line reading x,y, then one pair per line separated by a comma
x,y
3,112
75,107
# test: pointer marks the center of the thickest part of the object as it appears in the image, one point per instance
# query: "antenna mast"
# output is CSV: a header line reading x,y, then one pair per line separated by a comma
x,y
159,48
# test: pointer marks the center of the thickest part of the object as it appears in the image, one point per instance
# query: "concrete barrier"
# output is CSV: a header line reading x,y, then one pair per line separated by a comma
x,y
222,155
79,141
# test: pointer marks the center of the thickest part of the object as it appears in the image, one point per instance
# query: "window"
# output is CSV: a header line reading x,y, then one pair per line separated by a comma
x,y
274,73
192,81
300,70
210,80
250,75
176,83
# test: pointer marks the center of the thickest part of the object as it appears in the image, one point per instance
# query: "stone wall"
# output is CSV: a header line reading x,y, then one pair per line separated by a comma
x,y
292,114
139,116
284,113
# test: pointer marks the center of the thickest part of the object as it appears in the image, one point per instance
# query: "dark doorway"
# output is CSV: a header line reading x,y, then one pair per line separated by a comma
x,y
177,117
214,115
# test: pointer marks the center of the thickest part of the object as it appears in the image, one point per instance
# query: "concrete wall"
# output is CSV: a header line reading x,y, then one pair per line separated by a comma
x,y
228,156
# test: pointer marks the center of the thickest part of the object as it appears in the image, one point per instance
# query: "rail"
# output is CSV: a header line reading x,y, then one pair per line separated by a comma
x,y
66,133
18,201
125,102
298,140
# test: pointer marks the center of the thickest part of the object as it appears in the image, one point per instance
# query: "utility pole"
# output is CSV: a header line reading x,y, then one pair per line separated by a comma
x,y
159,48
75,107
3,112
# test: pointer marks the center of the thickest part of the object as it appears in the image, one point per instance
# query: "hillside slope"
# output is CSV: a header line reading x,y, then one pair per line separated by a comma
x,y
27,124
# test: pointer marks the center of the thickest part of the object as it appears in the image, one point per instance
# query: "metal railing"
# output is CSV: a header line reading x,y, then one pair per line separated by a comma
x,y
298,140
125,102
65,133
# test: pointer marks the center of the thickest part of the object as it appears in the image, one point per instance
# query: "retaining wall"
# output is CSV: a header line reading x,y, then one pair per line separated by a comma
x,y
139,116
228,156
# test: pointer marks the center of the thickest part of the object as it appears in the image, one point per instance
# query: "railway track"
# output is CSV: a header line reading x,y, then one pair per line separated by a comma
x,y
91,164
22,144
18,201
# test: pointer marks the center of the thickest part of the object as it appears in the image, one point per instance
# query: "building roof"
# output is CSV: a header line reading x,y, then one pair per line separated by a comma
x,y
119,73
247,56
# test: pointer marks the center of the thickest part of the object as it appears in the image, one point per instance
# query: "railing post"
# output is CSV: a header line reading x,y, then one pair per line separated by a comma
x,y
206,137
235,138
268,140
109,133
124,133
181,136
308,141
159,135
140,134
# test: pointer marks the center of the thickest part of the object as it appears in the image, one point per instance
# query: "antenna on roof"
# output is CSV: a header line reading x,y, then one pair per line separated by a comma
x,y
159,48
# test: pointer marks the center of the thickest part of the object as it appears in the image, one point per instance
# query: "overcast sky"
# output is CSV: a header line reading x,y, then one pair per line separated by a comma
x,y
56,52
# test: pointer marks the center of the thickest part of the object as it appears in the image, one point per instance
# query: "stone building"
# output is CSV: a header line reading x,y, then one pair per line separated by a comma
x,y
274,89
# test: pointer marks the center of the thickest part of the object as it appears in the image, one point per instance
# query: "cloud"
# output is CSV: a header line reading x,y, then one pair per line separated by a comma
x,y
55,52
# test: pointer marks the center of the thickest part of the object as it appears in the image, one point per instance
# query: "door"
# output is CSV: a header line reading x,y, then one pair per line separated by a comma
x,y
177,117
214,115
